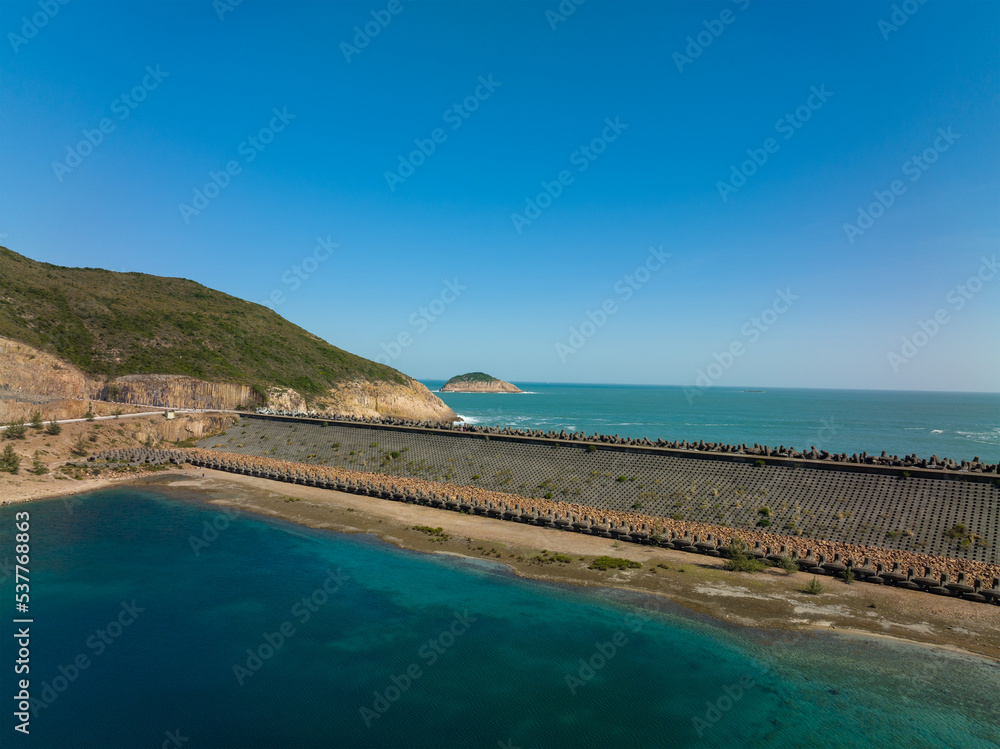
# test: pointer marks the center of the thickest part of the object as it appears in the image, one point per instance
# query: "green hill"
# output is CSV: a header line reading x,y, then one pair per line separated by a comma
x,y
113,324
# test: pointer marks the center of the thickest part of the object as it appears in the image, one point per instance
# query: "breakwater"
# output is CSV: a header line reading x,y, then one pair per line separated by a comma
x,y
833,560
935,464
867,505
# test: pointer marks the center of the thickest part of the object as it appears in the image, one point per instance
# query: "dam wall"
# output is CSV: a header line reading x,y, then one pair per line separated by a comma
x,y
868,505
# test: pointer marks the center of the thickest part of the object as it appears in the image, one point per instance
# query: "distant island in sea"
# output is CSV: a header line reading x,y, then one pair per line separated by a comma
x,y
478,382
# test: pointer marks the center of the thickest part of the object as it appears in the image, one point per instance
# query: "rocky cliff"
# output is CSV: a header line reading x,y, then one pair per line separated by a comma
x,y
32,379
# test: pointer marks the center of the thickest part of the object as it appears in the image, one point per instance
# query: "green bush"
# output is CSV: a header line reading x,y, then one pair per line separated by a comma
x,y
591,448
15,430
815,587
36,419
79,447
437,533
739,560
53,428
9,460
759,463
848,575
788,564
38,466
608,563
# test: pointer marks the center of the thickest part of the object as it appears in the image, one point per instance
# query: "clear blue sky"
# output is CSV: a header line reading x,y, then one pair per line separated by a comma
x,y
658,178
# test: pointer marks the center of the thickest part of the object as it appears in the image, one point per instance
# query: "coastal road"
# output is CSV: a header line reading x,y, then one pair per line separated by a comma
x,y
144,413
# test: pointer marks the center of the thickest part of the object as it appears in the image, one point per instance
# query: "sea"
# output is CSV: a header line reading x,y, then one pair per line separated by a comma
x,y
960,426
159,620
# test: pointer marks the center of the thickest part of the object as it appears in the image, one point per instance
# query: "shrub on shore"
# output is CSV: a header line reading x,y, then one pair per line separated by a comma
x,y
609,563
788,564
740,560
10,461
53,428
36,419
815,587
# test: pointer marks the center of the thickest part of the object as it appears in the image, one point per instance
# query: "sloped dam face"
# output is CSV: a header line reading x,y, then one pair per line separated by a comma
x,y
847,504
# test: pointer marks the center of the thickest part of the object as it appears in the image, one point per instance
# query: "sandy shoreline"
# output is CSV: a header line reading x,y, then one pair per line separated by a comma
x,y
771,600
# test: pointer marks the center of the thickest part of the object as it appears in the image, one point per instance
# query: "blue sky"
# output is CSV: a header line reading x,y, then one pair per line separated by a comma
x,y
763,273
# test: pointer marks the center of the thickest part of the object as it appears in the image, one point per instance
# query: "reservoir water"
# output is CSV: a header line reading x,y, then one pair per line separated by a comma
x,y
242,631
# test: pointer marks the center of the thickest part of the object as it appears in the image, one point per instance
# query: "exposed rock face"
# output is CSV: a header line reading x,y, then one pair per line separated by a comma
x,y
24,370
177,391
410,401
477,382
287,399
30,379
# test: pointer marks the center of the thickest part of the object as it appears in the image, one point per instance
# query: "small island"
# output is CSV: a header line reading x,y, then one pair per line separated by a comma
x,y
478,382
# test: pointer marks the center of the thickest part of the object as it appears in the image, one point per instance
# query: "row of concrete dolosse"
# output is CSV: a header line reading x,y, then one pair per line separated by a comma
x,y
525,513
754,451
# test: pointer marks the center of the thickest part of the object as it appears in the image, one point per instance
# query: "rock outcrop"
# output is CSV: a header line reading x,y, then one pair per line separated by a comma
x,y
388,399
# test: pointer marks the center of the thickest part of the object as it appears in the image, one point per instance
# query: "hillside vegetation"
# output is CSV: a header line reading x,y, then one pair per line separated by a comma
x,y
113,324
471,377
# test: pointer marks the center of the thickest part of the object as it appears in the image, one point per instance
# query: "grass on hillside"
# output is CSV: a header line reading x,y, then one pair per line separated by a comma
x,y
114,324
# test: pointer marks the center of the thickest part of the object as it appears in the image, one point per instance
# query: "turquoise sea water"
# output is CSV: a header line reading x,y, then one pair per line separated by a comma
x,y
485,655
954,425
